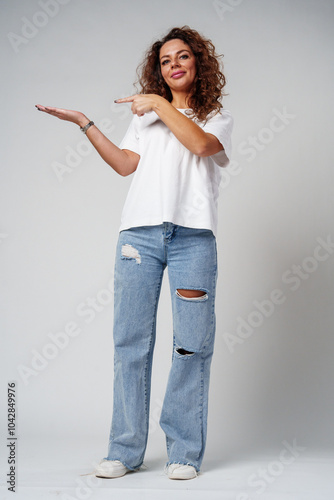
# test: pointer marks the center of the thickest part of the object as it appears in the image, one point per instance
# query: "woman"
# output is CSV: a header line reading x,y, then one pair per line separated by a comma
x,y
178,140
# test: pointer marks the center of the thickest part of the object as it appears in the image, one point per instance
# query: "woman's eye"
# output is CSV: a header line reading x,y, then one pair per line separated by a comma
x,y
164,62
184,56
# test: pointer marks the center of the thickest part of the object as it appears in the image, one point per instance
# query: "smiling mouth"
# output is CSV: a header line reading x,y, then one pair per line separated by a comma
x,y
178,74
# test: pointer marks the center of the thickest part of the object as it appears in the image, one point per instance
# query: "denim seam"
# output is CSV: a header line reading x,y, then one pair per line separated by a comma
x,y
173,357
201,408
212,322
149,355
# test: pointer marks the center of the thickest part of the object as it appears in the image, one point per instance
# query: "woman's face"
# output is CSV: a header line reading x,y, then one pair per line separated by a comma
x,y
178,65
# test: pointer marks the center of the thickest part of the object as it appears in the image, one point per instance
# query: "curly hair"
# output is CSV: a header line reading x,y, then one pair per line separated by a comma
x,y
207,89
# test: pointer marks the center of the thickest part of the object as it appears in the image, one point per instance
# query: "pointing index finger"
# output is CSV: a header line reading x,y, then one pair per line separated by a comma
x,y
125,99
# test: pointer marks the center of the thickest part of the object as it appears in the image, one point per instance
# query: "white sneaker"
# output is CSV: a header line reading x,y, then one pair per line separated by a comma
x,y
180,471
111,469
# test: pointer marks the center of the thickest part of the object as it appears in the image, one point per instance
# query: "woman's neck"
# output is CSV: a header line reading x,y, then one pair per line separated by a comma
x,y
180,100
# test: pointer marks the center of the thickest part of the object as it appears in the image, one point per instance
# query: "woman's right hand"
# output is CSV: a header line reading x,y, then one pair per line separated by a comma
x,y
65,114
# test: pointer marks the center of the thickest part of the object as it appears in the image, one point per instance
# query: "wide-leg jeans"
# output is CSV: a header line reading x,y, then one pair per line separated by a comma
x,y
191,259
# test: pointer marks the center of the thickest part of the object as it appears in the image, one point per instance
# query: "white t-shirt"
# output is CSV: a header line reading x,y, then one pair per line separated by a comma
x,y
171,184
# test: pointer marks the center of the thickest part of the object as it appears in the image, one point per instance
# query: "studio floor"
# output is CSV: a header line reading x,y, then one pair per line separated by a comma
x,y
59,469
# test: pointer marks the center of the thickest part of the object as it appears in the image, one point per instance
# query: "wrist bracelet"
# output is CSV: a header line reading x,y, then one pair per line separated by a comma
x,y
86,127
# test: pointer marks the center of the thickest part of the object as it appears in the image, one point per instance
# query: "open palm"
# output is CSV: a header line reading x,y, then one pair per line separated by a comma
x,y
65,114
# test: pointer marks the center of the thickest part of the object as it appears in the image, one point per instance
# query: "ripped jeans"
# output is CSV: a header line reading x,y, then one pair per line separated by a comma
x,y
142,255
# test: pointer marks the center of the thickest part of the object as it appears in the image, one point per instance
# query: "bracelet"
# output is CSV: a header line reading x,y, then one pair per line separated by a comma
x,y
86,127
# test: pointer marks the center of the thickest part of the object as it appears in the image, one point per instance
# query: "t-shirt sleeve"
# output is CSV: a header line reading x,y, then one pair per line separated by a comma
x,y
221,125
131,139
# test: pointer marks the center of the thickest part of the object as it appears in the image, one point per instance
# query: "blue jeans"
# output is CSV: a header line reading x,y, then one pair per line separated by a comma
x,y
142,255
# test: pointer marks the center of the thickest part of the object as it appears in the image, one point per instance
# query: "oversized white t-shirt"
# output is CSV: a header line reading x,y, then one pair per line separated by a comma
x,y
171,184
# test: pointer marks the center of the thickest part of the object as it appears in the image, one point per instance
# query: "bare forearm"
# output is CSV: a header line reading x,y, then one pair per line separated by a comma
x,y
186,131
122,162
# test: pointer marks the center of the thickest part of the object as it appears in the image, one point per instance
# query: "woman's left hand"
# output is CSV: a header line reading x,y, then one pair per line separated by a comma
x,y
141,103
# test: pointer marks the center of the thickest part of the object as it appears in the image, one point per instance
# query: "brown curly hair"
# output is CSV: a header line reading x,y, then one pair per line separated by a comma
x,y
209,82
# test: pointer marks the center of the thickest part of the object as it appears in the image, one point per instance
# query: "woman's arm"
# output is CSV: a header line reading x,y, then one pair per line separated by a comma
x,y
123,161
185,130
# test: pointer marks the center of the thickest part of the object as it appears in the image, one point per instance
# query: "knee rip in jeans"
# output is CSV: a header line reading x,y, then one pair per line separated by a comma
x,y
192,295
129,252
183,352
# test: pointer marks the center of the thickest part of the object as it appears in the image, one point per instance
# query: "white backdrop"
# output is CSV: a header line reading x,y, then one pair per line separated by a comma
x,y
272,374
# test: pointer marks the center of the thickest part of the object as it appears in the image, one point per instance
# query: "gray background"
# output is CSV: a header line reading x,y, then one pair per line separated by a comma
x,y
58,233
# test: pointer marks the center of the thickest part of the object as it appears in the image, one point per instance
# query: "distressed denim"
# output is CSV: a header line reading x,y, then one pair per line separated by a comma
x,y
191,258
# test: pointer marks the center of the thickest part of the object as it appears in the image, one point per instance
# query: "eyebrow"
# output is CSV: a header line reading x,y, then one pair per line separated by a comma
x,y
178,52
